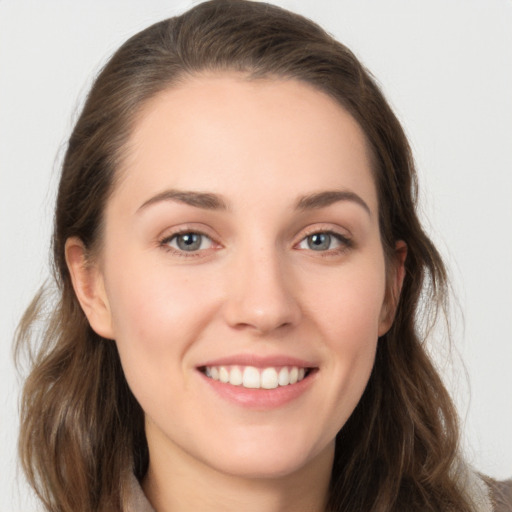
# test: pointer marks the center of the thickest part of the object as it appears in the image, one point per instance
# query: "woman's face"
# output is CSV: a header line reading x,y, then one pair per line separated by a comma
x,y
242,273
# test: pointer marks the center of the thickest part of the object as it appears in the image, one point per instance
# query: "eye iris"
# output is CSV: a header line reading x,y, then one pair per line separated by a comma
x,y
319,241
189,241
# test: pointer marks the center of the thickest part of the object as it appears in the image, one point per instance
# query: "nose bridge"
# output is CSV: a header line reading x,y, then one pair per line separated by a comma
x,y
260,291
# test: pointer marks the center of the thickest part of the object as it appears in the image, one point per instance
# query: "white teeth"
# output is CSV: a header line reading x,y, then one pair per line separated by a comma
x,y
223,374
251,378
235,377
256,378
269,378
284,377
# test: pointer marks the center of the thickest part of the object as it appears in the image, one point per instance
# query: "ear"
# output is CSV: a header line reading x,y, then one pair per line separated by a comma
x,y
394,287
89,288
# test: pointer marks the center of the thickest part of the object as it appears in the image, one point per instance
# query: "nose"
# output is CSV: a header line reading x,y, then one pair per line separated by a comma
x,y
260,293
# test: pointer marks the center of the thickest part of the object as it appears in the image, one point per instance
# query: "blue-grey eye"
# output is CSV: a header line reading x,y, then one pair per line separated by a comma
x,y
319,241
323,241
189,242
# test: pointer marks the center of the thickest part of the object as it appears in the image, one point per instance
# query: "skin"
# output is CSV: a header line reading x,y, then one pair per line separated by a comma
x,y
254,287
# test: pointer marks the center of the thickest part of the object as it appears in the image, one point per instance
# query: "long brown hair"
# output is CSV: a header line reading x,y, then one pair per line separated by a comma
x,y
82,431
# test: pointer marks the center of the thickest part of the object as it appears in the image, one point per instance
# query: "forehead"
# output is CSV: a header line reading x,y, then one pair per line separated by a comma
x,y
224,132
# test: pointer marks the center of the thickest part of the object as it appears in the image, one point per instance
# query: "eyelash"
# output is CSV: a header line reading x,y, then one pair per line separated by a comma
x,y
164,242
345,242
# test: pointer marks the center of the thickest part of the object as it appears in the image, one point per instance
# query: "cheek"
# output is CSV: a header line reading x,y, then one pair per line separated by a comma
x,y
156,319
157,313
350,304
348,316
150,300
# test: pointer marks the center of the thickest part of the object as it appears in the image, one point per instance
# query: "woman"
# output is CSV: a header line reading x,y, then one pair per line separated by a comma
x,y
240,265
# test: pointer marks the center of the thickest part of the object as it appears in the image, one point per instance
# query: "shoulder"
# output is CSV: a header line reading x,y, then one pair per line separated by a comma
x,y
501,495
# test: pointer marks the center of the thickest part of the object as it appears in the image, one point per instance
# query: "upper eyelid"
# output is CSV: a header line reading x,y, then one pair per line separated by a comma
x,y
335,234
342,239
186,232
169,233
312,230
168,239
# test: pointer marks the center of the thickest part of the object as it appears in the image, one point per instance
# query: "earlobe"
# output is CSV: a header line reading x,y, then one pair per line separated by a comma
x,y
394,288
89,288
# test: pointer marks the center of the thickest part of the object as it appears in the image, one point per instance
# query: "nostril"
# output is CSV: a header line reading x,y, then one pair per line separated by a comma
x,y
245,313
261,297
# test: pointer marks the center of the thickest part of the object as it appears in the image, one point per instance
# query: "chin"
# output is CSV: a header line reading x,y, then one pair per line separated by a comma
x,y
271,461
258,469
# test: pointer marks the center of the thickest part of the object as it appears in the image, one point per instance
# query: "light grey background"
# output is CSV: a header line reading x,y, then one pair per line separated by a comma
x,y
445,65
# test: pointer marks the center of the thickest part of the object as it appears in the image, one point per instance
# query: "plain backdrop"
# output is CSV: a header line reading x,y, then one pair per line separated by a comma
x,y
446,67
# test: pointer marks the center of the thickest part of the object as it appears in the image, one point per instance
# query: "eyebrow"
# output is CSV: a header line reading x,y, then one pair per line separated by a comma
x,y
209,201
328,197
202,200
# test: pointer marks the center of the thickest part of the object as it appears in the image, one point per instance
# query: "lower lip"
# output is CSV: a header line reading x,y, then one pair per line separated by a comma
x,y
262,399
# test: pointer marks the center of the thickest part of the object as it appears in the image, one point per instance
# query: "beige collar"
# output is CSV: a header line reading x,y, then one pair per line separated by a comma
x,y
474,487
137,501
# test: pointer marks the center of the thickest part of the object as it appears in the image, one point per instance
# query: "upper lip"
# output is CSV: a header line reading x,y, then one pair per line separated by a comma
x,y
259,361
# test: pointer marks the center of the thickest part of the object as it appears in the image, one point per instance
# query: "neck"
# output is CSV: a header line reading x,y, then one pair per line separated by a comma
x,y
191,485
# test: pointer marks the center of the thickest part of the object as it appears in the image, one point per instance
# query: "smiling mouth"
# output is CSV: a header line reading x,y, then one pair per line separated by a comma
x,y
251,377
